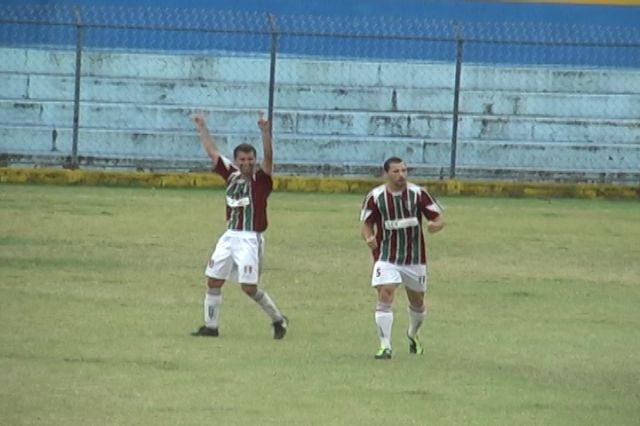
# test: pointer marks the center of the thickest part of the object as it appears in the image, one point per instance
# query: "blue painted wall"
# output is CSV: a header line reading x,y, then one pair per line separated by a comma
x,y
572,120
345,116
437,9
540,23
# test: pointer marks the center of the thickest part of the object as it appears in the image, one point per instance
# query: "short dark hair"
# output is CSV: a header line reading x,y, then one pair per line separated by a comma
x,y
390,160
244,147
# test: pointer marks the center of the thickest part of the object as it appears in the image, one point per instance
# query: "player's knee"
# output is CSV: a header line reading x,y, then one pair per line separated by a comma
x,y
385,295
249,290
416,300
383,307
417,306
214,282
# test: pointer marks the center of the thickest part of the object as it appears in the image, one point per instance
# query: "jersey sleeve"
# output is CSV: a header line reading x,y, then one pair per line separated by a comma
x,y
428,205
264,181
370,212
224,167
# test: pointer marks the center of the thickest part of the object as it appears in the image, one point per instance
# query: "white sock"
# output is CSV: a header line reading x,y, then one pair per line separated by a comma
x,y
212,302
416,319
384,322
267,305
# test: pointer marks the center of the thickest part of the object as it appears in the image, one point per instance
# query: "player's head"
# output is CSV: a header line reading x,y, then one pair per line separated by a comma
x,y
244,156
395,170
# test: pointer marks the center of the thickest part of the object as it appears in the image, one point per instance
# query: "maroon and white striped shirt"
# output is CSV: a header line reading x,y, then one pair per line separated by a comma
x,y
246,199
397,218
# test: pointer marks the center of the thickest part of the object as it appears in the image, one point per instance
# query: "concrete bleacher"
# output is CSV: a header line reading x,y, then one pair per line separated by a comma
x,y
331,116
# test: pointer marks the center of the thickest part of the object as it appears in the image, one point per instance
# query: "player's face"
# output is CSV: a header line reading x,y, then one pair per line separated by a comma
x,y
246,162
397,175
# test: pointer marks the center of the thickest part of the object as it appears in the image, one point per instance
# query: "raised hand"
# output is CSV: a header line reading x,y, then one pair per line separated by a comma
x,y
265,125
199,119
207,141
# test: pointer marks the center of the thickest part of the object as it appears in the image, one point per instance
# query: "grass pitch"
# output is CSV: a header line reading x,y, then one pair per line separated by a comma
x,y
534,315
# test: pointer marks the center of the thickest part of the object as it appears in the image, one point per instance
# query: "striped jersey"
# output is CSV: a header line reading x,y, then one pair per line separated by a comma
x,y
246,198
397,219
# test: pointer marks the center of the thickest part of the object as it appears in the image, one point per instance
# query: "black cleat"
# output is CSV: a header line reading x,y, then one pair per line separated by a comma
x,y
415,347
383,353
206,332
280,328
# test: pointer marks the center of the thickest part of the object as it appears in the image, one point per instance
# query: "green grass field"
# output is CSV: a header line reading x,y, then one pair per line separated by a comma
x,y
534,315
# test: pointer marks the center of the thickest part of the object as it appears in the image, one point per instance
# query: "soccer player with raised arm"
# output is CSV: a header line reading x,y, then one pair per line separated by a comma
x,y
391,221
238,253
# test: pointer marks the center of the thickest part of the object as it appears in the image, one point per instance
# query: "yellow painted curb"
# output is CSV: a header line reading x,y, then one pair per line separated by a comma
x,y
536,189
108,178
318,184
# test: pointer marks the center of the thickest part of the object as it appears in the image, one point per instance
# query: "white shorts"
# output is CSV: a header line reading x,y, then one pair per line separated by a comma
x,y
237,257
413,277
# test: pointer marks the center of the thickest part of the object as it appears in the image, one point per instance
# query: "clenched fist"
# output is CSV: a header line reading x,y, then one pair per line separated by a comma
x,y
199,119
265,125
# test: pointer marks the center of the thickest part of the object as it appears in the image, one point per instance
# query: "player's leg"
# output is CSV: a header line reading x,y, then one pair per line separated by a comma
x,y
414,278
249,259
212,303
262,298
218,270
417,313
385,279
384,318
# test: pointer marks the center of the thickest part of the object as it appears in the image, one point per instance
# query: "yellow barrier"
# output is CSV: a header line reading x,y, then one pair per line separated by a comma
x,y
107,178
317,184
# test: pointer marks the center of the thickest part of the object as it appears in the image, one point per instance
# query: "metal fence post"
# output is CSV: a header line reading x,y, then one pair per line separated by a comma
x,y
76,97
272,69
456,102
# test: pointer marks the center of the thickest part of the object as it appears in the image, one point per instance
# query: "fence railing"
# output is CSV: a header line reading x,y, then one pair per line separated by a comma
x,y
326,59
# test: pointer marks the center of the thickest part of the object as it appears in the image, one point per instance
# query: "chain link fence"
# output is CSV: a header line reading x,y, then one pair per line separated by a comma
x,y
115,87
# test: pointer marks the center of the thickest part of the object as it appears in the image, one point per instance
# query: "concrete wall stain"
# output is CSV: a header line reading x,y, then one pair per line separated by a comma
x,y
54,137
26,105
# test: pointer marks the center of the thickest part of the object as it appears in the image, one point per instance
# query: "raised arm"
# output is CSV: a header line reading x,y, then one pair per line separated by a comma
x,y
206,139
267,145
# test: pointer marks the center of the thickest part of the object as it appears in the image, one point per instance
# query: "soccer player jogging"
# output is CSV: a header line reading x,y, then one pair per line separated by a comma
x,y
391,220
238,252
